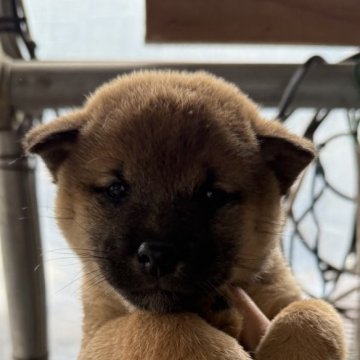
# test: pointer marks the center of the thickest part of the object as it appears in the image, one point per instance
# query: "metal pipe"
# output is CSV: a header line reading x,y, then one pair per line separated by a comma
x,y
19,225
356,346
34,86
21,249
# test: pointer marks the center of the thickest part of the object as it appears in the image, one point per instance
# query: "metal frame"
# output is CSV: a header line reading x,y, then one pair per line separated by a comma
x,y
30,87
27,88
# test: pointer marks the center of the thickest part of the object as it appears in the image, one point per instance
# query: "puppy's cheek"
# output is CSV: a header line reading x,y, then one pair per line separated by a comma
x,y
229,248
116,262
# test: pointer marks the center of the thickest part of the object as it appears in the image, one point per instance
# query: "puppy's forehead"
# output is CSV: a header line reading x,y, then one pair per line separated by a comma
x,y
173,131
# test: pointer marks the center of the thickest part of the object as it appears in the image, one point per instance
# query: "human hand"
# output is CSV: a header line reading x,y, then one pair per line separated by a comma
x,y
255,322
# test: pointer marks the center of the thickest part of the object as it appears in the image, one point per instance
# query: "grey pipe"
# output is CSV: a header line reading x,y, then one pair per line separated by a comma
x,y
21,249
34,86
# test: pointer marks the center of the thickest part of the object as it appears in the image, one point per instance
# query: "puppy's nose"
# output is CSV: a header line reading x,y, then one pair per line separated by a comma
x,y
156,258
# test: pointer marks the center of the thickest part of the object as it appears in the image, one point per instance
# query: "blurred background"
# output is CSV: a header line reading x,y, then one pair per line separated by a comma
x,y
320,234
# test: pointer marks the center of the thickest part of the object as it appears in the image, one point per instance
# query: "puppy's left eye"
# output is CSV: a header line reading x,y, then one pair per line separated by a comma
x,y
213,194
214,197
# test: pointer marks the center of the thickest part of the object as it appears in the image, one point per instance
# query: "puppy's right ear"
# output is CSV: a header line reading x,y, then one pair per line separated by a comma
x,y
54,141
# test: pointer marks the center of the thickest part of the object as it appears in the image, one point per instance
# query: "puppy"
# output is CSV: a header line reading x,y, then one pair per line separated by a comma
x,y
169,190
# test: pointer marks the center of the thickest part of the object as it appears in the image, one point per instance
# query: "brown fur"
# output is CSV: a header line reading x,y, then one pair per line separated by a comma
x,y
164,129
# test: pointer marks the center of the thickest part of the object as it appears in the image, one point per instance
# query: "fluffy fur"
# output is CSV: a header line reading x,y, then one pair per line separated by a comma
x,y
197,169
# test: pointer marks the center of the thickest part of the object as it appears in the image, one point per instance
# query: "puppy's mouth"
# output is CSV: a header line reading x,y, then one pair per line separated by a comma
x,y
160,300
165,295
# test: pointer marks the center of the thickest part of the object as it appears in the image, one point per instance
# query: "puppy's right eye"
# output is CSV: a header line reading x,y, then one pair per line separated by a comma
x,y
116,192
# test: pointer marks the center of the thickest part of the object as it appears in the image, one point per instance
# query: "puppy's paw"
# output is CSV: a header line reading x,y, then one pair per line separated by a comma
x,y
147,336
306,329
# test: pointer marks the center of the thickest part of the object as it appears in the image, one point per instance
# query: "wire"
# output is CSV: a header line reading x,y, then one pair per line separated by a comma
x,y
296,80
293,86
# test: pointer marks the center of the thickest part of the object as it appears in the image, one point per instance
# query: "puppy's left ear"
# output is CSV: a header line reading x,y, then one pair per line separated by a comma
x,y
53,141
285,153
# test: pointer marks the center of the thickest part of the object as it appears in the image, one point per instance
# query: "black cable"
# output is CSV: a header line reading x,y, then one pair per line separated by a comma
x,y
293,86
296,80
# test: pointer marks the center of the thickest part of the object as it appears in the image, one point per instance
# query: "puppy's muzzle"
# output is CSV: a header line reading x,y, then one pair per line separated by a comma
x,y
157,258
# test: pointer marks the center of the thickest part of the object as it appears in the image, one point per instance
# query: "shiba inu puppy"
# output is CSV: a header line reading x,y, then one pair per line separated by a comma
x,y
169,190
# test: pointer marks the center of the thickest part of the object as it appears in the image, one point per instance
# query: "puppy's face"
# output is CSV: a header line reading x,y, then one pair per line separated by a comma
x,y
171,183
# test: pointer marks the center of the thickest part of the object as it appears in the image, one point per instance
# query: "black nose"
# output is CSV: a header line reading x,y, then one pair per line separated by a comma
x,y
157,258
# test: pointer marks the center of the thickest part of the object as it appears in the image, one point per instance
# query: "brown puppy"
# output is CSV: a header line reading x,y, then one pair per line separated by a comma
x,y
169,190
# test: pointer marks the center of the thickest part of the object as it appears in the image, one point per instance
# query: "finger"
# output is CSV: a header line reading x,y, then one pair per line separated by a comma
x,y
255,322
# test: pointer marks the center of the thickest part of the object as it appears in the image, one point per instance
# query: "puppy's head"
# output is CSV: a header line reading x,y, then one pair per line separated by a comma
x,y
170,184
